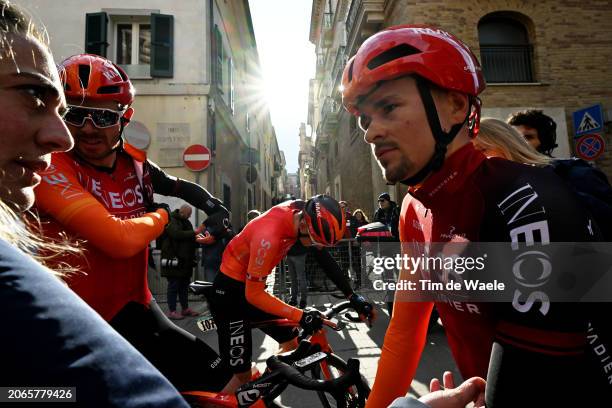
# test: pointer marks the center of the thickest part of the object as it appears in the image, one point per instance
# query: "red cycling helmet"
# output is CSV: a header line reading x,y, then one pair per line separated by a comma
x,y
432,56
428,52
325,219
89,76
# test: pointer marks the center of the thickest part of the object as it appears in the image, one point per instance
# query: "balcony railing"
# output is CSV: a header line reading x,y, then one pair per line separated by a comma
x,y
338,68
329,115
364,18
352,14
507,63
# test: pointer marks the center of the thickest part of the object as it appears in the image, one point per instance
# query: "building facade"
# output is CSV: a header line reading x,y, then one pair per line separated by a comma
x,y
549,55
193,64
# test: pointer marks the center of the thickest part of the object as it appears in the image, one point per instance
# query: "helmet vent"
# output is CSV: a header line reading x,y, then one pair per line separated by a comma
x,y
350,72
111,89
84,71
399,51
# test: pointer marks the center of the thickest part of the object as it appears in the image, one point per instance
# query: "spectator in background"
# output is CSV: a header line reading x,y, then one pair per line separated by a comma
x,y
350,222
251,215
538,129
360,219
388,213
498,139
178,260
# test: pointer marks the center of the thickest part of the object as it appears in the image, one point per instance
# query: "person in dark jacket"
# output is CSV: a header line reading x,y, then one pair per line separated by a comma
x,y
178,260
388,213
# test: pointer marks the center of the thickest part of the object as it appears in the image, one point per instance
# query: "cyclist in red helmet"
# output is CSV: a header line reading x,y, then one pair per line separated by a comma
x,y
239,289
101,192
415,90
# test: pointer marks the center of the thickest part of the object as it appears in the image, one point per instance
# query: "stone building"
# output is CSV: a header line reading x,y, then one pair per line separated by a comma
x,y
550,55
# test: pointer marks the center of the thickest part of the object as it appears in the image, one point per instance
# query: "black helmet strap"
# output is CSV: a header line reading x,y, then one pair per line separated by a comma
x,y
443,139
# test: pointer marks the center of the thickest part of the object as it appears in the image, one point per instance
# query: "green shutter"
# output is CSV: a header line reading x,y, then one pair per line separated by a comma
x,y
218,58
162,45
230,75
96,25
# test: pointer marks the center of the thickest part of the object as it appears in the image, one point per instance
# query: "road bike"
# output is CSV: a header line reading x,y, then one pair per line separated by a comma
x,y
312,366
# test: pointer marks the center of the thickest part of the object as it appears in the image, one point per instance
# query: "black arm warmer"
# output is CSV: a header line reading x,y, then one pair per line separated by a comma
x,y
332,270
194,194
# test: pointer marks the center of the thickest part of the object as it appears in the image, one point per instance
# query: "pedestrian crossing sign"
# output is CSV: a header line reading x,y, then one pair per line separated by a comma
x,y
588,120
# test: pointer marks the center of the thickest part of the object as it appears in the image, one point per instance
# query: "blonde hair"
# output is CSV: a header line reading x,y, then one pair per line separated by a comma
x,y
15,21
27,237
496,136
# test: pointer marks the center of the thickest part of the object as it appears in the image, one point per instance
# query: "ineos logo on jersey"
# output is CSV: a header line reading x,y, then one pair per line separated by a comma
x,y
237,349
542,258
520,205
262,251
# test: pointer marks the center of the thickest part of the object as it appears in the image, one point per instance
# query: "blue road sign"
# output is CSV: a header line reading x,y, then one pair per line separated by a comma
x,y
590,147
588,120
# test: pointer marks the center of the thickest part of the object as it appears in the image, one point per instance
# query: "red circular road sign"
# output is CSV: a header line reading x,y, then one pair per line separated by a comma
x,y
196,157
590,147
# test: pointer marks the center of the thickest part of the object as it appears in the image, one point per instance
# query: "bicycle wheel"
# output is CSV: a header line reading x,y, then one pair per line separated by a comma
x,y
333,367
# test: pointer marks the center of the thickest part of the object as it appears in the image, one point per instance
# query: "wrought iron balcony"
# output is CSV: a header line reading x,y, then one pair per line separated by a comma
x,y
364,19
507,63
329,115
339,64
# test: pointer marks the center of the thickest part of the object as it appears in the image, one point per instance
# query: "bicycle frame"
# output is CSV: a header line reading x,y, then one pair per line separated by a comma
x,y
222,400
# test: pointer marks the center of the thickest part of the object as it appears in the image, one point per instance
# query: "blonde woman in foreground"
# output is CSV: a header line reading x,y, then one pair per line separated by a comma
x,y
50,337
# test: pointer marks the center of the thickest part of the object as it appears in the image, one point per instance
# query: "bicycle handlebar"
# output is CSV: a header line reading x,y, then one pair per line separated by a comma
x,y
295,377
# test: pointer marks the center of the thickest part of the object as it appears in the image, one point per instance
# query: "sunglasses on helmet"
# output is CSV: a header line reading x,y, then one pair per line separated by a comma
x,y
101,118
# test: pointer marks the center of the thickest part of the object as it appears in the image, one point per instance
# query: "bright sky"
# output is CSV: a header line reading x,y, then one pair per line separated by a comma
x,y
288,62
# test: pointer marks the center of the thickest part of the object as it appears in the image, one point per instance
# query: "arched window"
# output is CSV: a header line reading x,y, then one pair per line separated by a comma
x,y
505,51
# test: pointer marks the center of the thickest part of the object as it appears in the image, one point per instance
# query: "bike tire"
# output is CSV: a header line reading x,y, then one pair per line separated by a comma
x,y
333,367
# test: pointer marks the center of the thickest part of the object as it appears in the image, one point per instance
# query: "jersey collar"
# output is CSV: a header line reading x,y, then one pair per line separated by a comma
x,y
457,168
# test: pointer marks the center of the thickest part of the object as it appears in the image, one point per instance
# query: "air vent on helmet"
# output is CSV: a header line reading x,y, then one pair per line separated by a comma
x,y
350,72
110,89
84,71
399,51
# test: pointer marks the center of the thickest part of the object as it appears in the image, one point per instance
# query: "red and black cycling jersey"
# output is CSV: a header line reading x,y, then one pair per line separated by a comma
x,y
526,345
107,209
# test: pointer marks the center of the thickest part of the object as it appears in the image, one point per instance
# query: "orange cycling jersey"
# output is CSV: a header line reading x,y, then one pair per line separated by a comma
x,y
253,254
107,210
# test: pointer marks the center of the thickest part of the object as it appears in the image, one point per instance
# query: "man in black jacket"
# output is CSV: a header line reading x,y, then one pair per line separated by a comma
x,y
388,213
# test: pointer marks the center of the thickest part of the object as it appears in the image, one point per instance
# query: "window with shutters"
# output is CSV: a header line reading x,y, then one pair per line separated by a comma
x,y
141,44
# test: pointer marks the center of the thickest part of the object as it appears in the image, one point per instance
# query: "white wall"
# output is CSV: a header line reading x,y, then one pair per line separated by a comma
x,y
65,22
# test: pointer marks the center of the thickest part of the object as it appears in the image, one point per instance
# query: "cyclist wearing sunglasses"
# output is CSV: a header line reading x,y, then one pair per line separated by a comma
x,y
239,289
102,192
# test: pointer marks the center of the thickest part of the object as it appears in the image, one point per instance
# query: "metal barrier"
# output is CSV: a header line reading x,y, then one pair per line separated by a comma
x,y
355,260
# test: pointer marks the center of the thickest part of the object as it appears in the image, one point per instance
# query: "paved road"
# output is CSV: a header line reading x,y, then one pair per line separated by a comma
x,y
355,341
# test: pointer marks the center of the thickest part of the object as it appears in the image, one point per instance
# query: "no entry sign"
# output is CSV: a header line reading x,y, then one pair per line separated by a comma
x,y
196,157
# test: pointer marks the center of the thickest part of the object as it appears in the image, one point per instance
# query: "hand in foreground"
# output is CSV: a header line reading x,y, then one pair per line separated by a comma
x,y
471,390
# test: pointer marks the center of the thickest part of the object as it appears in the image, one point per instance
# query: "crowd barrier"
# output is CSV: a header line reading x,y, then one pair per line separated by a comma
x,y
353,258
